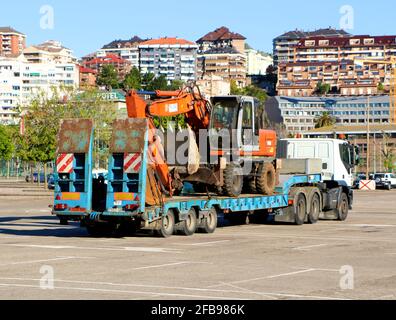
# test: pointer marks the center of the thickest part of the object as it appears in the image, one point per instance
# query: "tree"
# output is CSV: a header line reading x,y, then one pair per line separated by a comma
x,y
42,121
176,85
389,156
251,91
325,120
133,80
6,146
323,88
158,83
108,77
381,87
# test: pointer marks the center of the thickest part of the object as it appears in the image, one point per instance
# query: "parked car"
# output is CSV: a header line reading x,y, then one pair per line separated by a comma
x,y
51,182
385,180
359,178
35,177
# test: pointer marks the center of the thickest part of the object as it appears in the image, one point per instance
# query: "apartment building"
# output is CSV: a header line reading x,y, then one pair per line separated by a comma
x,y
20,81
298,114
257,62
172,57
122,66
334,61
12,42
283,45
87,77
48,52
222,38
126,49
226,63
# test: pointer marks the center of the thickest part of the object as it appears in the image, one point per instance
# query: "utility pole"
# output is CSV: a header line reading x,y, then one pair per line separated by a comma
x,y
368,139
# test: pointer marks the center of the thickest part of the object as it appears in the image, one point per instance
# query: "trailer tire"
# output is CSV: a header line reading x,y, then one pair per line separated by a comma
x,y
209,223
314,212
300,209
167,225
189,226
266,179
343,208
233,180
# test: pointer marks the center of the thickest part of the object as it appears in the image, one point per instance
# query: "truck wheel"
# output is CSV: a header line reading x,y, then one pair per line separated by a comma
x,y
233,180
266,179
300,208
314,213
343,208
167,225
209,224
189,226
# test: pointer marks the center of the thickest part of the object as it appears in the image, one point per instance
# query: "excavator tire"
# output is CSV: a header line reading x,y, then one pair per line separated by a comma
x,y
233,180
266,179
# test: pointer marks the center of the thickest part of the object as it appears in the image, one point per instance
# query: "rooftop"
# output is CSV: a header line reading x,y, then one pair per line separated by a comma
x,y
167,41
334,100
124,43
353,129
9,30
222,33
299,34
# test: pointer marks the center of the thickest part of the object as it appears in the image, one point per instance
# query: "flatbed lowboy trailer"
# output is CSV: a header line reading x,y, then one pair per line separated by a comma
x,y
128,201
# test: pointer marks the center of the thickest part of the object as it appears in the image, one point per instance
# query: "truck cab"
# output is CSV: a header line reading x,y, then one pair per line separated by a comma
x,y
338,156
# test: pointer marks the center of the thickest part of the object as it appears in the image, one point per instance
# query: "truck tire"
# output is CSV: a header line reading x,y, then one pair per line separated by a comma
x,y
167,225
266,179
343,208
189,226
300,209
209,224
233,180
314,212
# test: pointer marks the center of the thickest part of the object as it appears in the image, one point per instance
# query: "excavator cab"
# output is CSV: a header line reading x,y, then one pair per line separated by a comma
x,y
239,143
236,125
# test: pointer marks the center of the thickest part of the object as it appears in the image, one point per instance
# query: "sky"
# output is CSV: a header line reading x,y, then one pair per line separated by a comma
x,y
86,25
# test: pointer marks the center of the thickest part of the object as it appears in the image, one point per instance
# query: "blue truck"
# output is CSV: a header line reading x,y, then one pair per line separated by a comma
x,y
128,200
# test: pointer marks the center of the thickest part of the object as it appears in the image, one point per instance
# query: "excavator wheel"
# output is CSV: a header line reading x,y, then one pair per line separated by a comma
x,y
266,179
233,180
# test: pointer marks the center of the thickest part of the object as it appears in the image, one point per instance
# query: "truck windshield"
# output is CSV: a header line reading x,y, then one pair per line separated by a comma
x,y
225,115
346,156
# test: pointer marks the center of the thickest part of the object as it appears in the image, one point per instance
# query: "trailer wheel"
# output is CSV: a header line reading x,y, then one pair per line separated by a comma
x,y
266,179
189,226
343,208
314,213
233,180
167,225
300,208
209,224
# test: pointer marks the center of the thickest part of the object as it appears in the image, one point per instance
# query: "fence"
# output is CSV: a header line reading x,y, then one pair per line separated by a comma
x,y
16,169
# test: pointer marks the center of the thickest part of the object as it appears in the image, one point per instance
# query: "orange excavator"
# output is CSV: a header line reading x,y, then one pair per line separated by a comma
x,y
238,150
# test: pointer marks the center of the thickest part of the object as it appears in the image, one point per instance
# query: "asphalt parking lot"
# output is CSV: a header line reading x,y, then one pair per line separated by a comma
x,y
240,262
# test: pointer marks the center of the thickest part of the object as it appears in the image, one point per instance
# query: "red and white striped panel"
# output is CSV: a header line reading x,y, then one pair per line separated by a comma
x,y
132,162
64,163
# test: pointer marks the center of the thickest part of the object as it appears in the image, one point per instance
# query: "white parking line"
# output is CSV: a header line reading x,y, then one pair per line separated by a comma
x,y
169,264
134,249
209,243
242,291
10,285
41,261
306,248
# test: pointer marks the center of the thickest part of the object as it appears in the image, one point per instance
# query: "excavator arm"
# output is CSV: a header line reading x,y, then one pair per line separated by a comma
x,y
188,102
